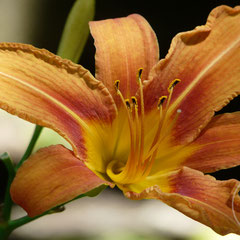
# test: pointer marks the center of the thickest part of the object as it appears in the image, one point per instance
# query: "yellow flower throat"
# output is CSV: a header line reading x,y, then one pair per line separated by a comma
x,y
139,164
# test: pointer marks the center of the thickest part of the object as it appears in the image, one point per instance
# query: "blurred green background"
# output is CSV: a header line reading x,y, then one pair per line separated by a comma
x,y
110,215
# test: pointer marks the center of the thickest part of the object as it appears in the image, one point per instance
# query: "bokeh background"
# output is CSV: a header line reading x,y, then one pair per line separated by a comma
x,y
110,215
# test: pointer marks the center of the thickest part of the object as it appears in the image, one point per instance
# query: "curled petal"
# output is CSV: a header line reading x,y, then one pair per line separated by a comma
x,y
123,45
219,144
206,60
200,197
42,88
50,177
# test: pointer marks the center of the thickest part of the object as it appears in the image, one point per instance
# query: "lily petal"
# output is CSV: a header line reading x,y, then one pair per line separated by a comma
x,y
42,88
206,60
200,197
219,144
50,177
123,45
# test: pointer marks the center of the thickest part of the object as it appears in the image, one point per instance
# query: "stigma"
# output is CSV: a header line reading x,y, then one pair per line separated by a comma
x,y
140,160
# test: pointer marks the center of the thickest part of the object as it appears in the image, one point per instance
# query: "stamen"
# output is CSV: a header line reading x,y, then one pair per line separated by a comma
x,y
134,101
159,140
173,84
116,84
160,125
139,164
162,119
127,107
170,90
137,139
133,168
139,74
135,106
127,102
170,126
161,101
128,172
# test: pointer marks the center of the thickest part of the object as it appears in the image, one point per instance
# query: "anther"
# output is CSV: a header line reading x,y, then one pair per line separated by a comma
x,y
139,74
161,101
173,84
128,103
134,101
116,84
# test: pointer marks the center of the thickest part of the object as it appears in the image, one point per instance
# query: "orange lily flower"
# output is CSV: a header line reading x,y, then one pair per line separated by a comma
x,y
145,125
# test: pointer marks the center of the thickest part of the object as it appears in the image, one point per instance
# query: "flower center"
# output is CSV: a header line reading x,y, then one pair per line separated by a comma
x,y
139,163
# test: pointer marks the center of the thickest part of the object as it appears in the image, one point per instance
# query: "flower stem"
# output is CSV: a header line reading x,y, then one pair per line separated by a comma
x,y
7,205
7,199
23,220
7,227
4,232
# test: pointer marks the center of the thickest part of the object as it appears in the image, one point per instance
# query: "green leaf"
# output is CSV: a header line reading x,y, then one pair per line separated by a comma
x,y
94,192
76,30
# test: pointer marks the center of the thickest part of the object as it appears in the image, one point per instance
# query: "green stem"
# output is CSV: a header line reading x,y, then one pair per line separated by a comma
x,y
7,227
37,131
4,232
7,199
23,220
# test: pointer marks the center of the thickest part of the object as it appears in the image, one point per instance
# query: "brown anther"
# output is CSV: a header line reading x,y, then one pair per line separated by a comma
x,y
128,103
161,101
173,84
134,101
116,84
139,74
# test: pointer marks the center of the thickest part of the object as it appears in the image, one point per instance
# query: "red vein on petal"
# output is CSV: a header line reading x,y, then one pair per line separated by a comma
x,y
201,74
65,108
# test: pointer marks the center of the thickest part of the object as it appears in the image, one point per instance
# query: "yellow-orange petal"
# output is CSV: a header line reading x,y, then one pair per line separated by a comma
x,y
42,88
50,177
219,144
200,197
123,45
206,60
